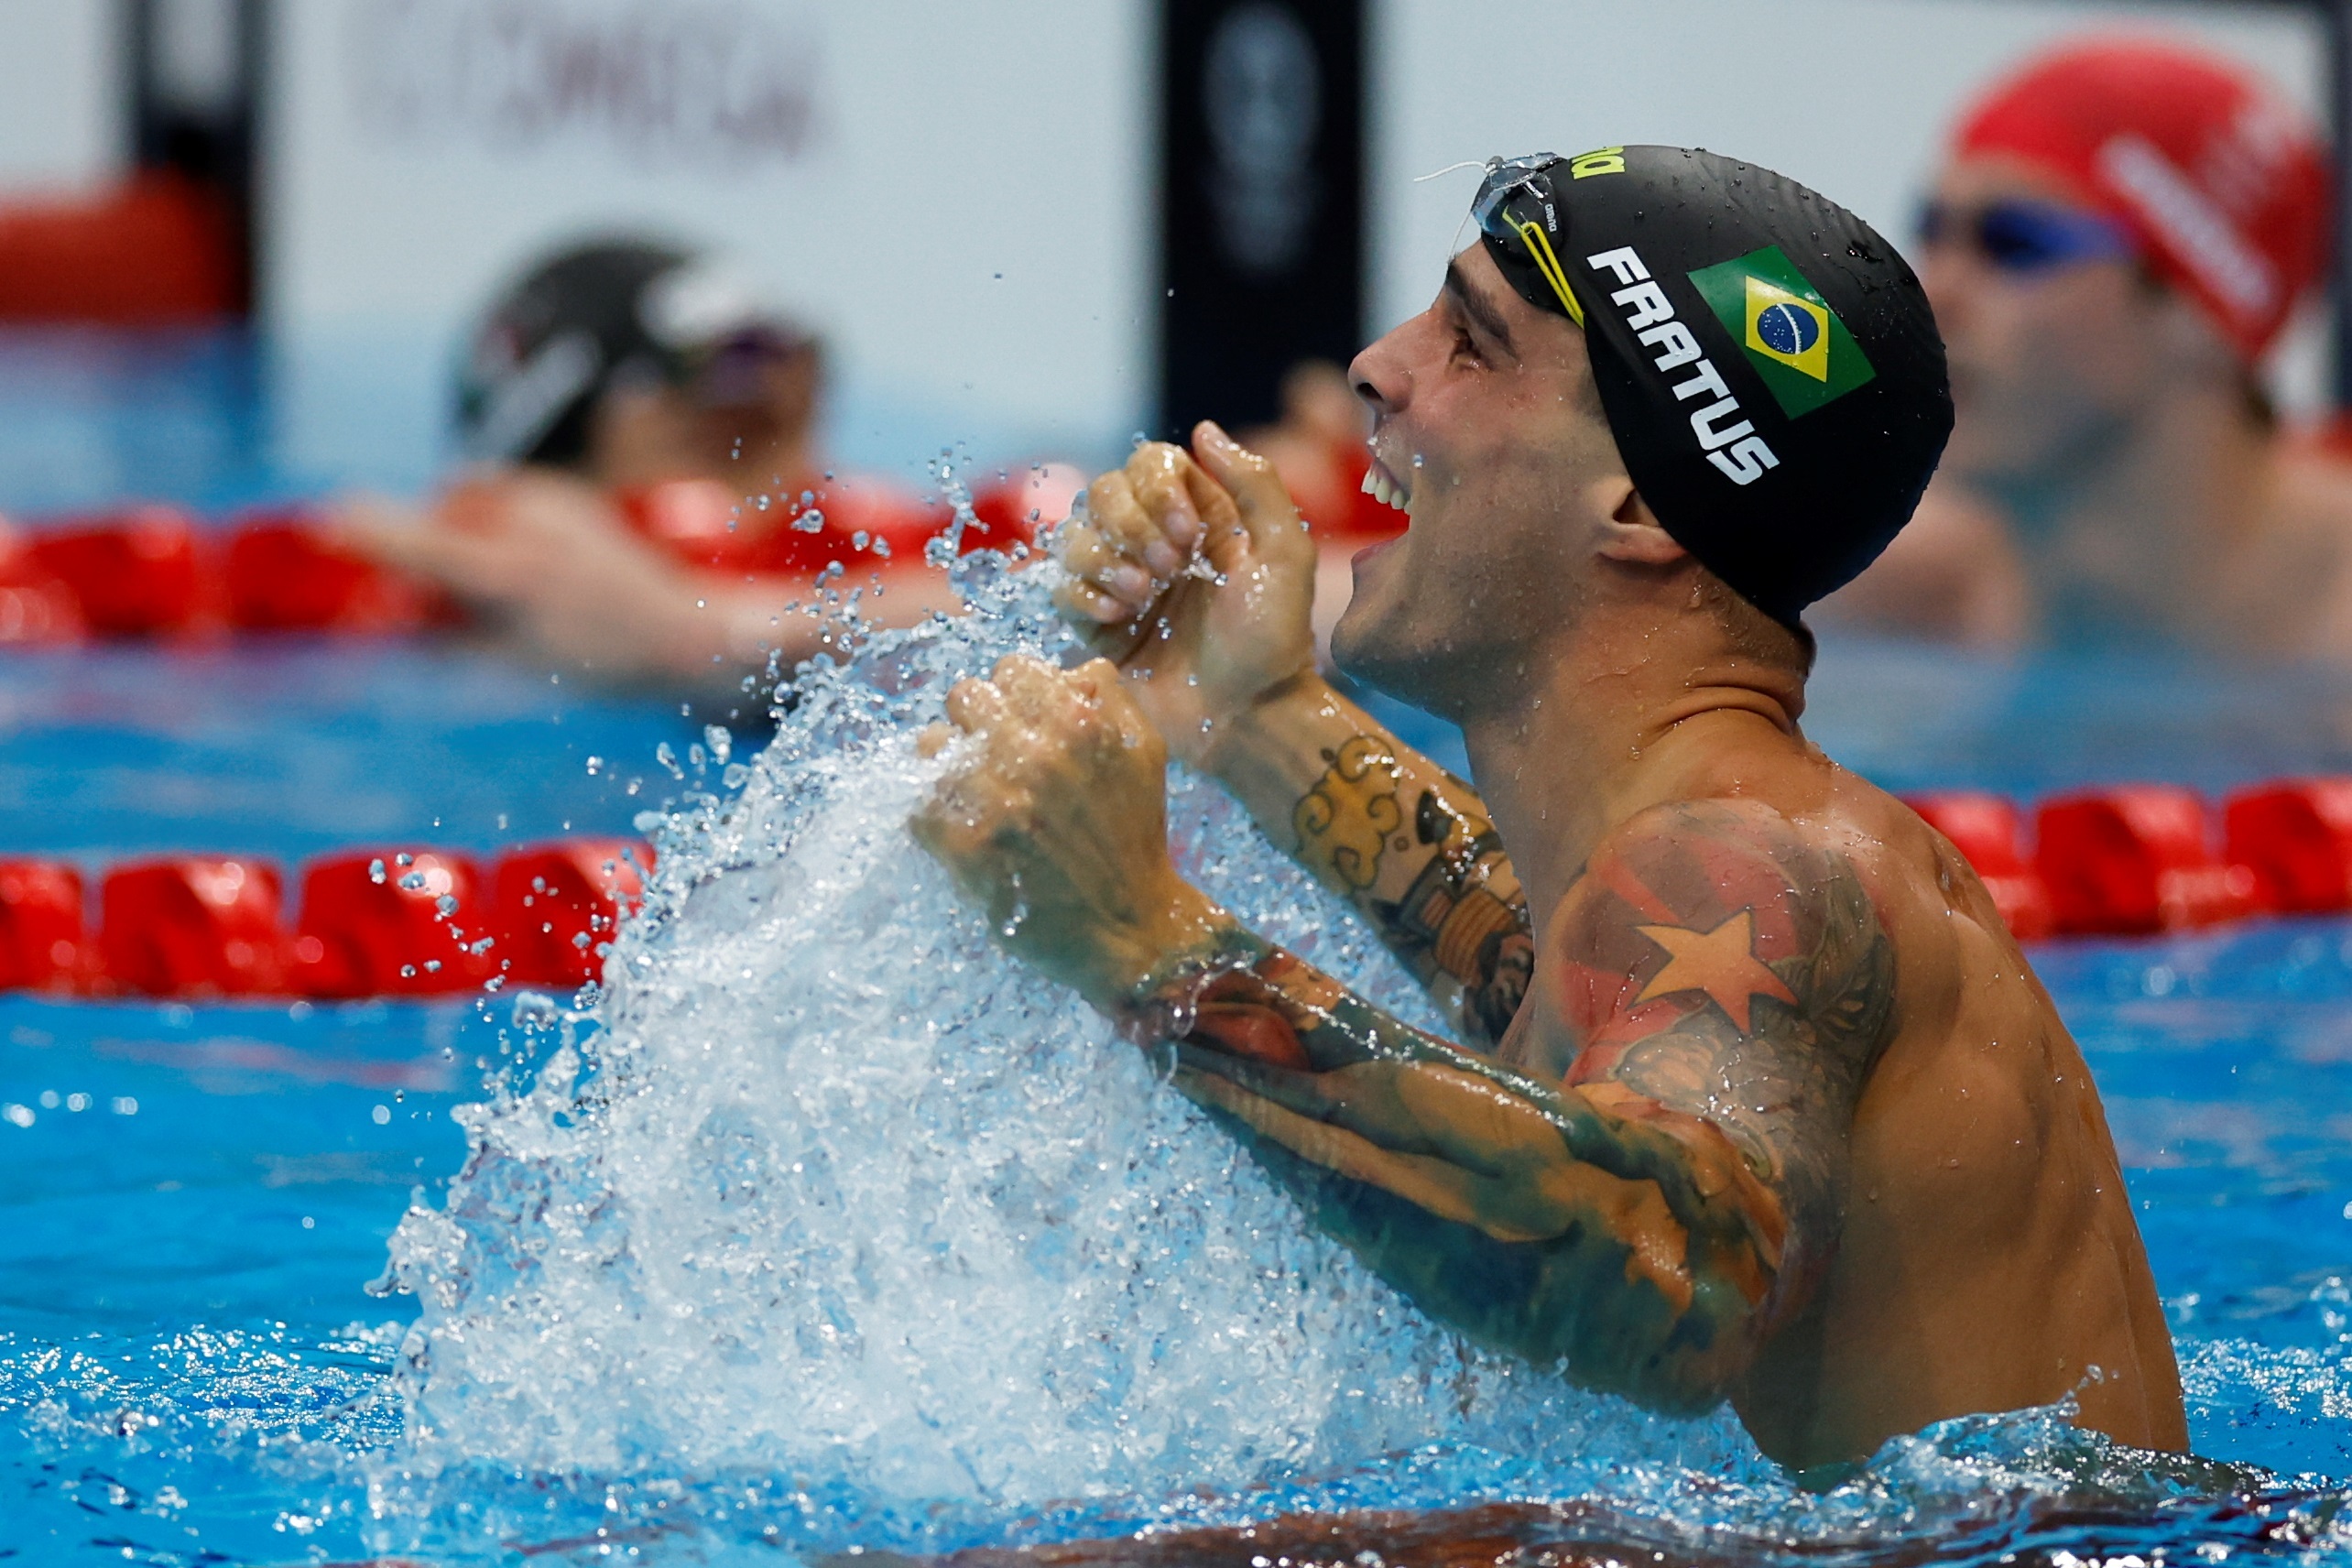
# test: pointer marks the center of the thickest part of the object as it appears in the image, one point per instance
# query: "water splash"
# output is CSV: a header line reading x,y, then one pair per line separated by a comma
x,y
832,1189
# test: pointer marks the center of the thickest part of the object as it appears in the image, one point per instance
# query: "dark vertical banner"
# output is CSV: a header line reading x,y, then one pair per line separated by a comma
x,y
196,71
1261,200
2338,14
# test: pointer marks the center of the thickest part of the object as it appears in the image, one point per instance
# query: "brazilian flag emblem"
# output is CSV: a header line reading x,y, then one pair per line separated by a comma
x,y
1793,339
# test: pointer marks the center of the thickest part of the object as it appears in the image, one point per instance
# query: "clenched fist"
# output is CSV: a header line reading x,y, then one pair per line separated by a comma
x,y
1196,573
1055,822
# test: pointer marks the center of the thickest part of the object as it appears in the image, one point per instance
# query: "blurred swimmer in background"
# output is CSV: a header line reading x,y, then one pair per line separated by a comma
x,y
2122,231
648,503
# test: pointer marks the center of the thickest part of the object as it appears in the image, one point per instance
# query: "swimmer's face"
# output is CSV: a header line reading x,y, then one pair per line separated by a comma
x,y
644,435
1484,417
2045,361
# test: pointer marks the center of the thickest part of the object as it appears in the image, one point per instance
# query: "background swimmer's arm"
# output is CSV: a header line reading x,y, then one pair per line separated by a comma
x,y
1410,844
546,562
1650,1218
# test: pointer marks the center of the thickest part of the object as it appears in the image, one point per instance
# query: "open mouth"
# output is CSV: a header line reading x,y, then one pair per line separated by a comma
x,y
1386,489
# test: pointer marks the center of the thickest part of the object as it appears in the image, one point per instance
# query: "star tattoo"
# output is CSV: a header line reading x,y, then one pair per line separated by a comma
x,y
1721,963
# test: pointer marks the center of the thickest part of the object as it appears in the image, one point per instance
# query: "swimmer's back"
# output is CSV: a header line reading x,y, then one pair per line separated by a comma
x,y
1989,1259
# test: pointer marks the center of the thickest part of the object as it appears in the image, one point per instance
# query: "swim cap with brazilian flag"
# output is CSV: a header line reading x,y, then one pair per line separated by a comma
x,y
1768,363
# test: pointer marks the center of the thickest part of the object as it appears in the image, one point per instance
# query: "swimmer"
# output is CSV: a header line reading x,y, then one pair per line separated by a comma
x,y
2120,233
1758,1100
611,368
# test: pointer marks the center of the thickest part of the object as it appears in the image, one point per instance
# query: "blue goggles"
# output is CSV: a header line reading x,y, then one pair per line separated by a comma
x,y
2017,236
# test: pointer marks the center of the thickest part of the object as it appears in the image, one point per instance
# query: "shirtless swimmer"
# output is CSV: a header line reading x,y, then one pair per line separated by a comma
x,y
1758,1102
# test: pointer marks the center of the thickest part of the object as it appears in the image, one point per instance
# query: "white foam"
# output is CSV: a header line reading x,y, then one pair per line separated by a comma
x,y
838,1191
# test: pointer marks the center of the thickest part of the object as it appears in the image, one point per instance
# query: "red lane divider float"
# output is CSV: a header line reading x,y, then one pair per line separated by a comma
x,y
391,923
154,571
41,926
2295,839
560,901
2134,859
2140,858
192,926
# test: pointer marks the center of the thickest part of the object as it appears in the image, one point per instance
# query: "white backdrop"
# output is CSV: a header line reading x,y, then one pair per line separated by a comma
x,y
960,196
62,127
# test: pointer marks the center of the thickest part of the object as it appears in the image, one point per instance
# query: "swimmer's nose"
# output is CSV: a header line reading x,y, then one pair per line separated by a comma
x,y
1377,376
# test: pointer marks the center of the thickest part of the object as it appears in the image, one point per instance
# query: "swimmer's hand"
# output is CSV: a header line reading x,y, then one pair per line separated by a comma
x,y
1198,578
1055,822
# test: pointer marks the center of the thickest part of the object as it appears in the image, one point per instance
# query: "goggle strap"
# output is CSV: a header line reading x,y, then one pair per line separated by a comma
x,y
1539,247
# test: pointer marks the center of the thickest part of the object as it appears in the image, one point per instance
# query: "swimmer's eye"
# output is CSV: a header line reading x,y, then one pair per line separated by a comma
x,y
1465,346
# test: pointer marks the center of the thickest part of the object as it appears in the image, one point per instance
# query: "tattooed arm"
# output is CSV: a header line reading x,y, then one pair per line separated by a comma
x,y
1642,1182
1652,1176
1406,842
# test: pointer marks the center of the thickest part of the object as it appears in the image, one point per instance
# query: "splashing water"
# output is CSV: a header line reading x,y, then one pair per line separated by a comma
x,y
836,1189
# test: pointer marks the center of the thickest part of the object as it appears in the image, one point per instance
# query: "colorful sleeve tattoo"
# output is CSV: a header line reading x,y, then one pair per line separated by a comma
x,y
1650,1175
1410,845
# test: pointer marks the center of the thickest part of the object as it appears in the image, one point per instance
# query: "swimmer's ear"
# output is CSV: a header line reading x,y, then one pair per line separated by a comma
x,y
1630,532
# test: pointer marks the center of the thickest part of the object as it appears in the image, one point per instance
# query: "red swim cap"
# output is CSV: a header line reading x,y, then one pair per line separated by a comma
x,y
2223,185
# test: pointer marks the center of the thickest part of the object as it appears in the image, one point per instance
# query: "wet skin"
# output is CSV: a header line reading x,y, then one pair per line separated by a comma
x,y
1757,1099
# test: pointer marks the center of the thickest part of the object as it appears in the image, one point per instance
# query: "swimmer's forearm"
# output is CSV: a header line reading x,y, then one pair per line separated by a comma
x,y
1532,1220
1405,841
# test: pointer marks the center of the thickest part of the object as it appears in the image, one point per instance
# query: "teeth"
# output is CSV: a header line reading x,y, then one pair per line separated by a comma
x,y
1378,485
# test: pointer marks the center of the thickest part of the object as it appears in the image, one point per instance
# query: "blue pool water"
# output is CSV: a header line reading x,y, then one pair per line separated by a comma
x,y
826,1234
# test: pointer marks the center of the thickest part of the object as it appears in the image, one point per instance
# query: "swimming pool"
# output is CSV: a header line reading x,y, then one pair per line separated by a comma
x,y
829,1236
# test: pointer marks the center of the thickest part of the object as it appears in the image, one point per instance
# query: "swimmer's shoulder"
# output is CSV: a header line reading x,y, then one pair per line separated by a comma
x,y
1849,858
2312,487
1689,911
2302,576
1705,860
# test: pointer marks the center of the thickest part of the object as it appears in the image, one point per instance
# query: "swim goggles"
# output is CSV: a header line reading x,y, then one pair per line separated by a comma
x,y
1516,212
2025,236
731,369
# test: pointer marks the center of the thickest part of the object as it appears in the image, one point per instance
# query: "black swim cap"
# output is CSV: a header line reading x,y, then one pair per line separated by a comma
x,y
596,314
1769,365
